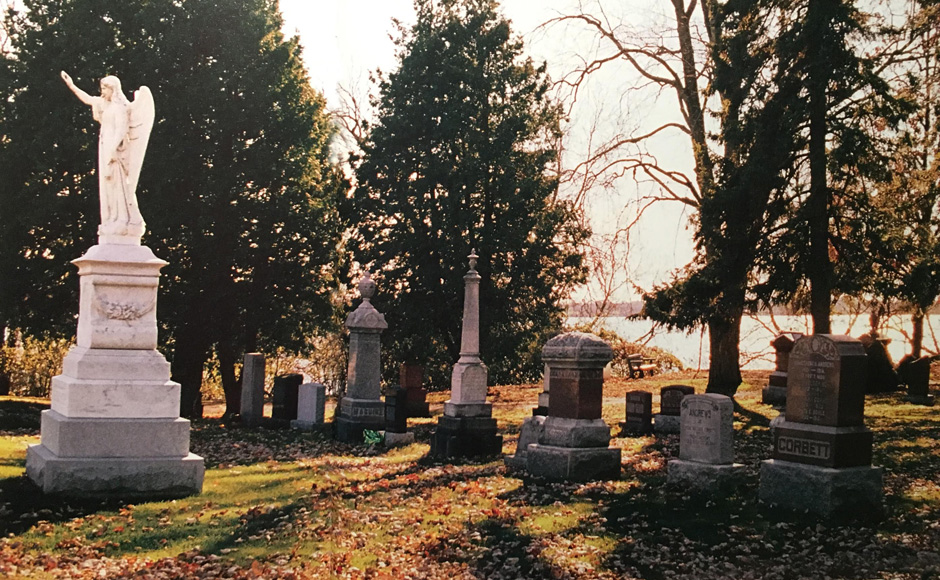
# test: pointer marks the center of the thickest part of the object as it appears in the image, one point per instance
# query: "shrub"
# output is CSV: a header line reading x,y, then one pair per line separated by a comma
x,y
31,363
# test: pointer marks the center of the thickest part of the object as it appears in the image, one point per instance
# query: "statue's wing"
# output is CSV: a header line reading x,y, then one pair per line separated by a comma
x,y
142,113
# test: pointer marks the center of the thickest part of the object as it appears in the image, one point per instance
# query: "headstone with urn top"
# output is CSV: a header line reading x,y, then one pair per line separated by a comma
x,y
706,449
670,404
467,427
822,449
574,442
362,407
775,393
639,416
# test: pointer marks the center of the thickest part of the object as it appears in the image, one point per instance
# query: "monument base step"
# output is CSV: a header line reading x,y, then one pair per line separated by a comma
x,y
926,400
638,427
393,439
573,463
849,492
147,477
774,395
459,437
349,430
704,477
666,423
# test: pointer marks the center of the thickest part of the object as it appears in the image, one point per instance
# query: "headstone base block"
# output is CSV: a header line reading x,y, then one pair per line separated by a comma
x,y
149,477
926,400
573,463
393,439
452,409
774,395
529,433
349,430
704,477
458,437
665,423
851,492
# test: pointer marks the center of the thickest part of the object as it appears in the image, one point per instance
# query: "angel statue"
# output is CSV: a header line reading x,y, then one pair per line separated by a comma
x,y
122,142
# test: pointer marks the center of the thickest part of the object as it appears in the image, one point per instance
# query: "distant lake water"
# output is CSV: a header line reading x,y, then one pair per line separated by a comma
x,y
757,332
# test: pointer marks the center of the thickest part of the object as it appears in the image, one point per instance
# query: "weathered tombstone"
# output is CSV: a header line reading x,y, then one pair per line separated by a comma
x,y
285,395
670,404
311,406
639,416
775,393
411,377
114,425
396,418
252,400
529,433
574,442
467,428
822,449
880,376
542,408
706,446
915,373
362,407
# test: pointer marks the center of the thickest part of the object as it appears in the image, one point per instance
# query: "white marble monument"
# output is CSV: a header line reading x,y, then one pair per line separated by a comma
x,y
114,426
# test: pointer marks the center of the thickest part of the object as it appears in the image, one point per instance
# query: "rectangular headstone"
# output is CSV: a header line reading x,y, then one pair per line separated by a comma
x,y
670,398
826,381
311,403
707,429
285,395
639,412
252,401
396,417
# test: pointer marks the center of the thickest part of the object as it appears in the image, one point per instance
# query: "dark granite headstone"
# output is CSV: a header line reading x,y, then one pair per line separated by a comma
x,y
670,399
412,379
639,418
396,415
576,393
881,376
286,388
915,373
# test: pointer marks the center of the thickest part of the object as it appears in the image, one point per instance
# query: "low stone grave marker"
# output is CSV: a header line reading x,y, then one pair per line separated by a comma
x,y
311,406
639,416
396,418
670,401
706,445
252,400
285,395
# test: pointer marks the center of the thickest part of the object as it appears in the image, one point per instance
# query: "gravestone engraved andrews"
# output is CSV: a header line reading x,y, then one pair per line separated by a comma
x,y
639,415
670,401
706,447
822,449
574,442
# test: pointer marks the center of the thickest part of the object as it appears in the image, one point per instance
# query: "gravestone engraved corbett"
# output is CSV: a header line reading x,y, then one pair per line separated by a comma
x,y
573,441
114,425
639,416
467,428
670,401
362,407
822,450
706,448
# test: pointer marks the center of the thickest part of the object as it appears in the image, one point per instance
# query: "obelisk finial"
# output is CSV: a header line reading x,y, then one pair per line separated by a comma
x,y
473,260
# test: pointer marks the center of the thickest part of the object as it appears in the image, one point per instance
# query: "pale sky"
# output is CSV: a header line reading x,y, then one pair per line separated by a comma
x,y
344,41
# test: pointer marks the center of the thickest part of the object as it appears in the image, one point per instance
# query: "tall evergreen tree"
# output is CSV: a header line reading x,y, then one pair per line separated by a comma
x,y
236,188
463,156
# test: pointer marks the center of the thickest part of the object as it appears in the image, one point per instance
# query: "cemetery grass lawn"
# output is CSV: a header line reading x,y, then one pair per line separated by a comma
x,y
283,504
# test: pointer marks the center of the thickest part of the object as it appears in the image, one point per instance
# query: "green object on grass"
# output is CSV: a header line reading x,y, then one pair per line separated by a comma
x,y
370,437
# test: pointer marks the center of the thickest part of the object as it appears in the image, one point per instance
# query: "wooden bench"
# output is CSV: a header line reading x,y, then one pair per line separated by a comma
x,y
640,366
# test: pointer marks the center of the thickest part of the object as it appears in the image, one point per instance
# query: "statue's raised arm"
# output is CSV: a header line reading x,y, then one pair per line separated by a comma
x,y
122,142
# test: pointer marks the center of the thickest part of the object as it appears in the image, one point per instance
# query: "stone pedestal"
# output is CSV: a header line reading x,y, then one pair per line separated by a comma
x,y
822,449
362,407
467,428
113,428
706,445
573,443
775,393
252,400
311,406
670,401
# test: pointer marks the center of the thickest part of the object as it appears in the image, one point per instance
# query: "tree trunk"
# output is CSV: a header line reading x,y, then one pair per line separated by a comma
x,y
820,267
231,385
189,357
724,370
917,337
